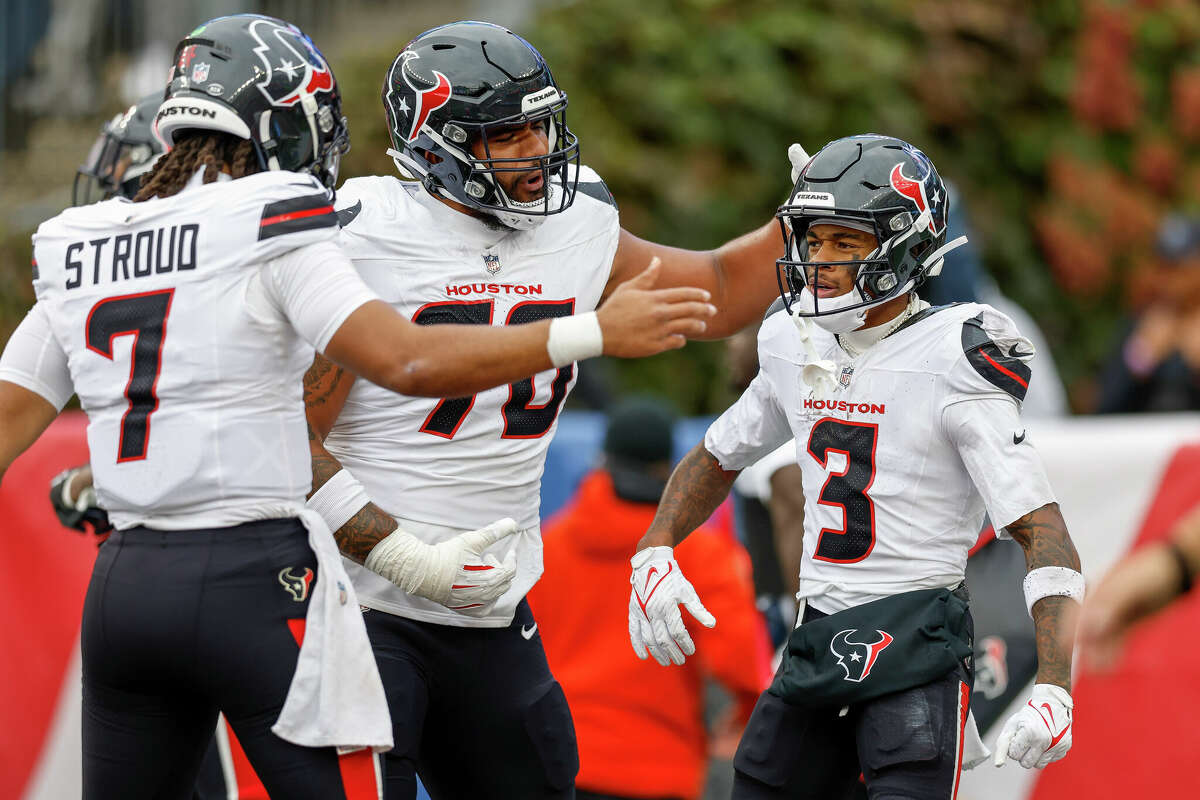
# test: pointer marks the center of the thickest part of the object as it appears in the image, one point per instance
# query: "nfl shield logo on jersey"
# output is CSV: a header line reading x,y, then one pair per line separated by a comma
x,y
847,374
492,262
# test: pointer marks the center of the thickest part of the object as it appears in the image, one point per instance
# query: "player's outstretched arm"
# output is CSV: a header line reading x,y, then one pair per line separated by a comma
x,y
453,360
1040,732
697,486
25,415
739,274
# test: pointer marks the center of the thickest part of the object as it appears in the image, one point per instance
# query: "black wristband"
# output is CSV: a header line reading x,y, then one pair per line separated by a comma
x,y
1185,568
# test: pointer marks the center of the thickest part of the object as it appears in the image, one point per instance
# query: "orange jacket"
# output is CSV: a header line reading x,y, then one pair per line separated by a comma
x,y
640,725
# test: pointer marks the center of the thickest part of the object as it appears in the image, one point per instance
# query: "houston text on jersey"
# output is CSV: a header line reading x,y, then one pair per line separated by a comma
x,y
133,255
843,405
495,288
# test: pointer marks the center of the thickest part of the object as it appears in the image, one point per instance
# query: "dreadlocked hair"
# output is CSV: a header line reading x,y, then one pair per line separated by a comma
x,y
214,150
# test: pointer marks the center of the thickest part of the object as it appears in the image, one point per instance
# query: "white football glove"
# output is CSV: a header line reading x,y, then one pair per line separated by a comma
x,y
454,573
1040,732
799,158
655,624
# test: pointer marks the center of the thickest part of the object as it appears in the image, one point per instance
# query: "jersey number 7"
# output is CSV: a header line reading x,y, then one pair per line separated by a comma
x,y
522,419
144,316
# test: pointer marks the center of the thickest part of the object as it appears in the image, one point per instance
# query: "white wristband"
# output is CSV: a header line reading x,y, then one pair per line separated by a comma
x,y
339,499
1052,582
574,338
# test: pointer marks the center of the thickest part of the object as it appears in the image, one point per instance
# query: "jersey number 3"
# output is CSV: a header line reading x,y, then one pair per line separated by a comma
x,y
846,488
522,419
144,316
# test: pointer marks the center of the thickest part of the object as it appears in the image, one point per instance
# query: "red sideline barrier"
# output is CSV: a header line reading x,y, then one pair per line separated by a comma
x,y
1135,734
44,571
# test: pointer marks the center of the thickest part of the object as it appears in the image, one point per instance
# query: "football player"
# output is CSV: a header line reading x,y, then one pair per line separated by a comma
x,y
907,427
184,321
124,151
498,224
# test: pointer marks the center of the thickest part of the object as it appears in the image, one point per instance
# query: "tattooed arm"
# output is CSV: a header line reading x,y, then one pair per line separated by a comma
x,y
697,486
1043,536
326,387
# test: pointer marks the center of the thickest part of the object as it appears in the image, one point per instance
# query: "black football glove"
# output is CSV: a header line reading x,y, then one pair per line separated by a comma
x,y
82,515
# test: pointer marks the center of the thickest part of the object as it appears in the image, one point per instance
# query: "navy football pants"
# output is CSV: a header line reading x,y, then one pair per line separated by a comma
x,y
178,625
474,710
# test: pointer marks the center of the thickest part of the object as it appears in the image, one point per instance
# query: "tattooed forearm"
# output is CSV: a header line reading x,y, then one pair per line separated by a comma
x,y
324,465
321,381
1043,536
364,530
696,488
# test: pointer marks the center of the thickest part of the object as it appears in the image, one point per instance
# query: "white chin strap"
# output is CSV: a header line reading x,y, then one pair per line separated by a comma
x,y
819,373
525,222
835,321
832,317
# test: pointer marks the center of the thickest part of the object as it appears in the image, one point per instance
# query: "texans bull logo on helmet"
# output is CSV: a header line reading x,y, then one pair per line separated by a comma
x,y
922,190
858,658
425,99
293,67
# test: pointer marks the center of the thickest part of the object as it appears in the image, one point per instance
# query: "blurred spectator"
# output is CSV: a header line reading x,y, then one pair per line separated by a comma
x,y
1137,588
640,726
1156,366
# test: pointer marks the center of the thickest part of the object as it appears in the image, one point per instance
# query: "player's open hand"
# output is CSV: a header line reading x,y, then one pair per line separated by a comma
x,y
655,624
638,320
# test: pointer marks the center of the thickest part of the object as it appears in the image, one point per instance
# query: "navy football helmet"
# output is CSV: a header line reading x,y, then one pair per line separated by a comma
x,y
125,150
262,79
450,88
878,184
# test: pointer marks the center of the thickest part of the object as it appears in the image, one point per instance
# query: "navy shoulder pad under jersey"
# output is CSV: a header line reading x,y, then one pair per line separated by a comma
x,y
775,307
1002,366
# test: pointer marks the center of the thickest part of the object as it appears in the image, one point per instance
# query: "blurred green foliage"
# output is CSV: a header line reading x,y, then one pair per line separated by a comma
x,y
1070,126
687,107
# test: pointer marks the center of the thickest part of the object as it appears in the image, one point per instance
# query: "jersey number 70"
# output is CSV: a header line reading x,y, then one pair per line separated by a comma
x,y
522,419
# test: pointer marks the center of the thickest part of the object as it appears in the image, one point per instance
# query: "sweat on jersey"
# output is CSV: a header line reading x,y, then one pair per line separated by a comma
x,y
445,466
900,462
185,325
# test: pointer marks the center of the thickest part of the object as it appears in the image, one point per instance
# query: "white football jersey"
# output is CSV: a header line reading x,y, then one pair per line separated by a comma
x,y
921,435
454,464
190,371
